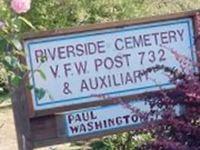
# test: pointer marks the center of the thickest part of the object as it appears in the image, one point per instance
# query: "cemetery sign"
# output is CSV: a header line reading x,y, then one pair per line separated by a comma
x,y
109,62
85,71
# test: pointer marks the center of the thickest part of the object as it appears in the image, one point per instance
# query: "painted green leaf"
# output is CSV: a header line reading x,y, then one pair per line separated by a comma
x,y
30,87
42,74
40,93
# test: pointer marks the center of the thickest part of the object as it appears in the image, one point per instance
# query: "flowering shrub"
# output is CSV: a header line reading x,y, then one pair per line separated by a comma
x,y
173,132
12,27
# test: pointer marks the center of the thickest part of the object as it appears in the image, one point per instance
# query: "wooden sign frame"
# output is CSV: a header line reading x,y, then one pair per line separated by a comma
x,y
36,129
98,27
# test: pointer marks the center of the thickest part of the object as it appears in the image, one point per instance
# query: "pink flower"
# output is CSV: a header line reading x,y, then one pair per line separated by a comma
x,y
20,6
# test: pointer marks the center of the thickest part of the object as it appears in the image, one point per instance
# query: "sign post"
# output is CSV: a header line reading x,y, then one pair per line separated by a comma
x,y
89,68
22,118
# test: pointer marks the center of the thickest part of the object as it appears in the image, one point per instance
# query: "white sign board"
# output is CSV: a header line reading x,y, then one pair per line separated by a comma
x,y
110,118
106,62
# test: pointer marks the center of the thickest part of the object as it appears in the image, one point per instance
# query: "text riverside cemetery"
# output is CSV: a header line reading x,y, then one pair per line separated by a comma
x,y
93,47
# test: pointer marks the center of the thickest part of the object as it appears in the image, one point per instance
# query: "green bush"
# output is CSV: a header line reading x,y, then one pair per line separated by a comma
x,y
55,14
124,141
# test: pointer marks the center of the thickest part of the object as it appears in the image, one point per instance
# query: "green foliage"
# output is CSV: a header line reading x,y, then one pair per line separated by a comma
x,y
124,141
4,97
11,30
15,80
51,14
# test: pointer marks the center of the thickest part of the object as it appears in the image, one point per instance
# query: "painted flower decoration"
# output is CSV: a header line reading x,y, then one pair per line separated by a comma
x,y
20,6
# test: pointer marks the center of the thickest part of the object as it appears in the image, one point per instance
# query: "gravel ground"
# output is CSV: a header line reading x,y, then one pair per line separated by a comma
x,y
8,136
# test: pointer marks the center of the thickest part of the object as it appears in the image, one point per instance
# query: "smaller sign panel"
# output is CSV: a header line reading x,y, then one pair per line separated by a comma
x,y
110,118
